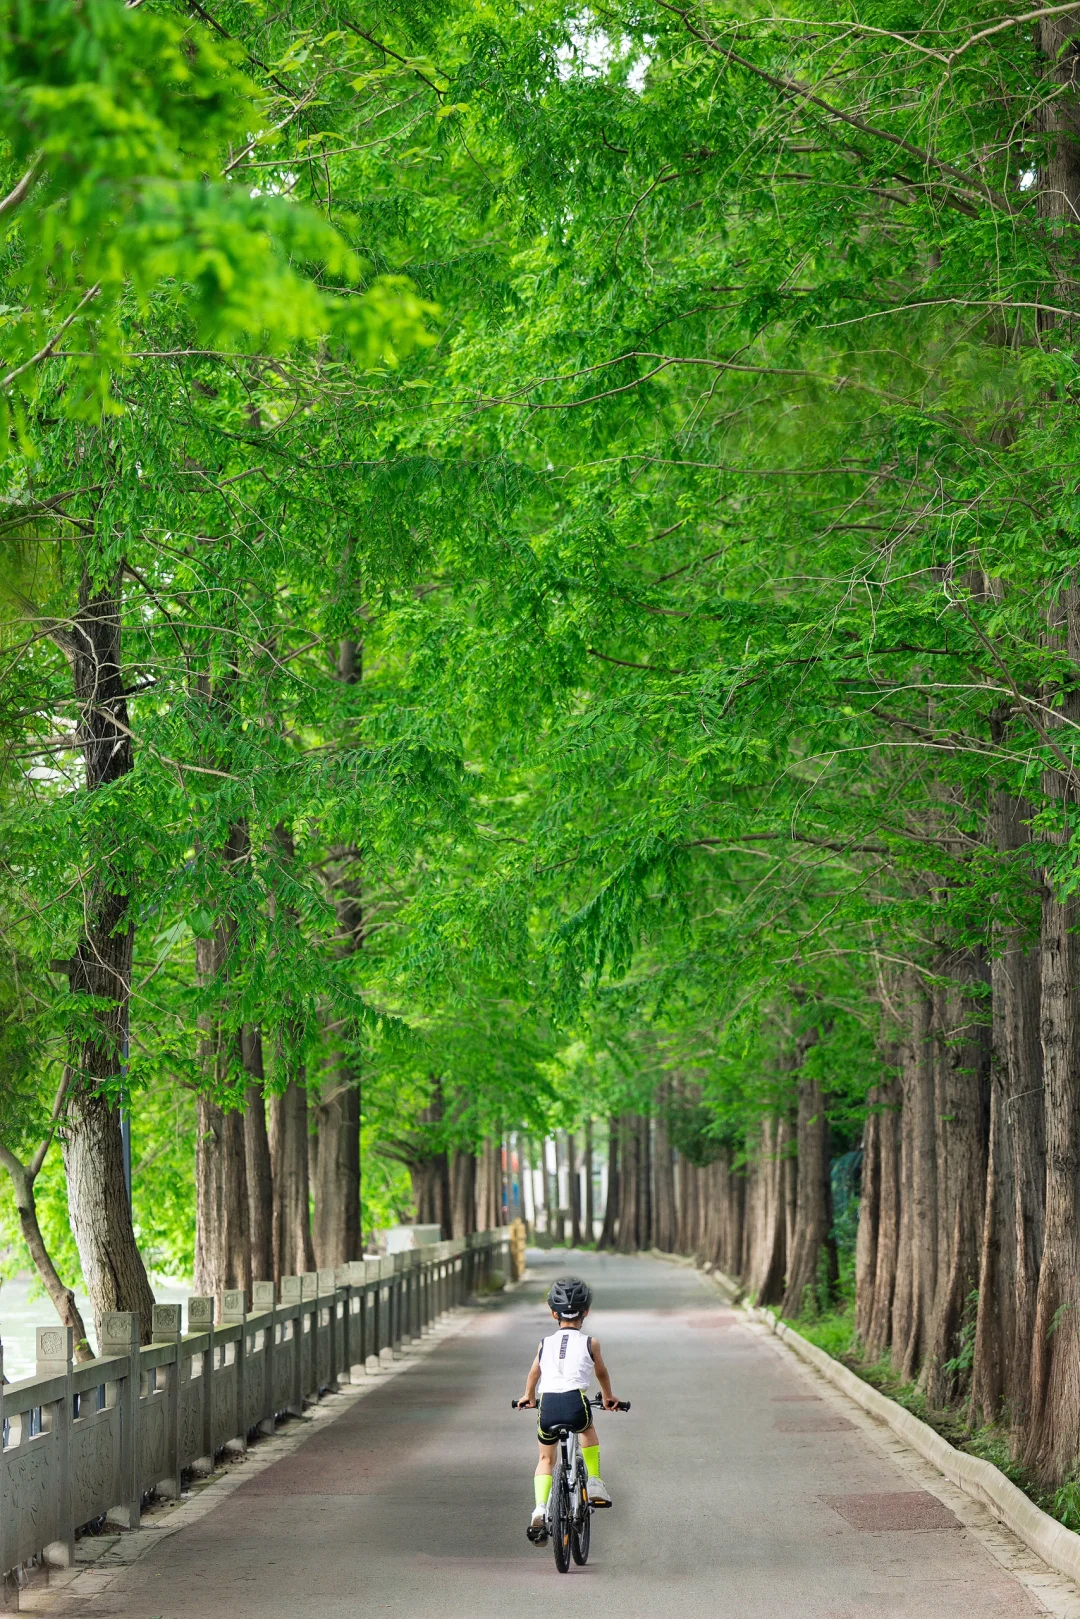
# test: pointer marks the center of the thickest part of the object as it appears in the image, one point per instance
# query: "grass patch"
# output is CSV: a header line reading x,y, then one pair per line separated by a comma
x,y
834,1333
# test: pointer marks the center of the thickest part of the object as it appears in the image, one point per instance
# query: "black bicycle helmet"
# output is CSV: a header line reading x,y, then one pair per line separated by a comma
x,y
569,1298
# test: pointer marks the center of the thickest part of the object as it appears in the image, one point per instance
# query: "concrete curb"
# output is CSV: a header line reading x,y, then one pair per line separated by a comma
x,y
1057,1546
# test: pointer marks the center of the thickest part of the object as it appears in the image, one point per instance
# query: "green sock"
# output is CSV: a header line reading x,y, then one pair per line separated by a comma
x,y
591,1456
542,1488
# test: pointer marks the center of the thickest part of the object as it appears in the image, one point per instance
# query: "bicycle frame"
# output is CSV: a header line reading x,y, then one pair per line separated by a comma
x,y
570,1447
568,1453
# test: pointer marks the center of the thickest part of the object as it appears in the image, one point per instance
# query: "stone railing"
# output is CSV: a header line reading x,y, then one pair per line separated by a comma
x,y
82,1442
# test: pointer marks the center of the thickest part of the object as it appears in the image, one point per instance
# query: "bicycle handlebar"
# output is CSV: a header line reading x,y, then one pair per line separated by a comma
x,y
621,1405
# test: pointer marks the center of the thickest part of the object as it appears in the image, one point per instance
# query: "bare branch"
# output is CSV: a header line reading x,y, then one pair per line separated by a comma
x,y
44,352
20,188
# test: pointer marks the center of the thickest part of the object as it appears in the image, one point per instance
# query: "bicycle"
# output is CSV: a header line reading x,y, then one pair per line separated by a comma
x,y
569,1514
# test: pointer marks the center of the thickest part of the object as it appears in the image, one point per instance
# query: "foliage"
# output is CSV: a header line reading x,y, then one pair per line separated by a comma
x,y
668,411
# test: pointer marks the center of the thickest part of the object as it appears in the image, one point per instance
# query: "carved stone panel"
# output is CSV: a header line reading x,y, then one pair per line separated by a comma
x,y
283,1378
30,1503
95,1464
226,1426
200,1313
254,1385
233,1304
115,1329
51,1343
191,1430
153,1441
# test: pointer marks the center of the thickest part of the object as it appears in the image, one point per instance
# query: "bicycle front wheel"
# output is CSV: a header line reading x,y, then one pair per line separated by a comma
x,y
562,1523
582,1531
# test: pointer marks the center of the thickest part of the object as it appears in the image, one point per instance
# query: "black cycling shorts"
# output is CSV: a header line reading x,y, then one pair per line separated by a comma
x,y
571,1411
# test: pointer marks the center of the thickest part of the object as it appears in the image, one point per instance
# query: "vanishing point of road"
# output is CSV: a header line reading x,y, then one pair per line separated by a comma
x,y
744,1488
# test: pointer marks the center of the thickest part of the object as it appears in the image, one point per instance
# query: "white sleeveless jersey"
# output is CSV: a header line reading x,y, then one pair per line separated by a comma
x,y
566,1361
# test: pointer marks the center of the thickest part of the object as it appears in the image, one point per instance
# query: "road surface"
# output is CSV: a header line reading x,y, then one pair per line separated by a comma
x,y
741,1488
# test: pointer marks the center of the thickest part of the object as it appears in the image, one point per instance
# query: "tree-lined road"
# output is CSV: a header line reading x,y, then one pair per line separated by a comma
x,y
741,1490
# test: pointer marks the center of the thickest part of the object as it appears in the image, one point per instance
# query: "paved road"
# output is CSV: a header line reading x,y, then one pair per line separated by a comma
x,y
740,1493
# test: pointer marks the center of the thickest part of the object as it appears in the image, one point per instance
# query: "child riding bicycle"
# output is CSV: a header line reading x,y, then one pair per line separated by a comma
x,y
563,1369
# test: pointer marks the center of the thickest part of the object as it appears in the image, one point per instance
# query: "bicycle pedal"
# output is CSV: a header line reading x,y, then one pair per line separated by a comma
x,y
537,1536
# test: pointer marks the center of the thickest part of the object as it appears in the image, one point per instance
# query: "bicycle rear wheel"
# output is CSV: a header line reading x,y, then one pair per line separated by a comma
x,y
562,1523
582,1532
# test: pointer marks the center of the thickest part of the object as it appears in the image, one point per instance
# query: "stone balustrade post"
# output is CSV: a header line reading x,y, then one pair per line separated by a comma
x,y
386,1309
166,1330
397,1286
371,1316
309,1321
118,1334
9,1589
343,1281
327,1285
54,1349
262,1302
424,1290
416,1258
201,1320
233,1313
290,1296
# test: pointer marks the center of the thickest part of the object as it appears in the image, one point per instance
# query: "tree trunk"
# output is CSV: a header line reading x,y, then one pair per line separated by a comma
x,y
575,1189
1053,1440
869,1218
294,1251
487,1212
590,1193
920,1186
692,1185
768,1214
560,1206
545,1187
1054,1436
644,1178
628,1185
335,1142
494,1182
257,1159
812,1268
609,1230
962,1090
682,1203
888,1233
112,1266
63,1298
222,1215
432,1192
1016,1173
1025,1123
462,1194
98,1201
664,1232
336,1179
222,1229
